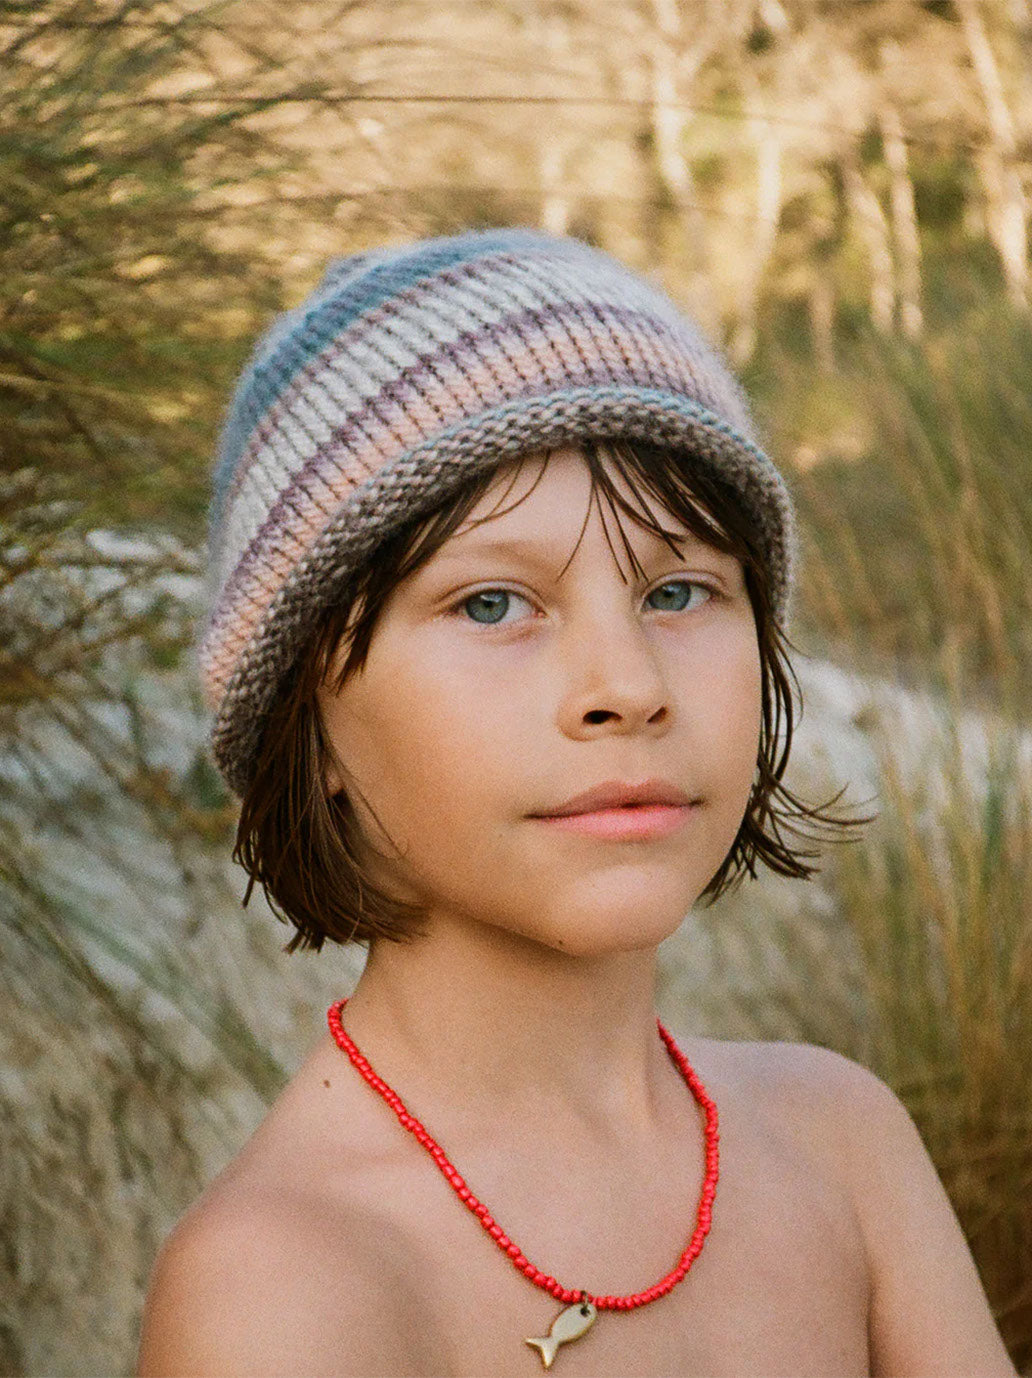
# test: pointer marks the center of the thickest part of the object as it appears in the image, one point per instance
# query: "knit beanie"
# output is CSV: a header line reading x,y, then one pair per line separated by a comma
x,y
408,368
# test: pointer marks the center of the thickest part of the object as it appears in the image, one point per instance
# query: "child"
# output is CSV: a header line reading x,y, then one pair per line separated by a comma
x,y
497,655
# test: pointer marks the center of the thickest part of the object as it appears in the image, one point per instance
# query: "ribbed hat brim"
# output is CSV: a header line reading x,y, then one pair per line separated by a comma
x,y
419,479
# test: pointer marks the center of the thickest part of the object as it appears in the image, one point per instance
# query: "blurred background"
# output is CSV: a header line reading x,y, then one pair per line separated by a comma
x,y
840,192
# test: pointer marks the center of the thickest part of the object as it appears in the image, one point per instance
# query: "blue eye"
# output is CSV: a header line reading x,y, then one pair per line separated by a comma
x,y
675,595
489,606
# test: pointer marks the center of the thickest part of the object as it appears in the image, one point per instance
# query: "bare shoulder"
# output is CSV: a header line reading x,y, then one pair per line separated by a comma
x,y
807,1092
805,1071
285,1265
929,1313
238,1289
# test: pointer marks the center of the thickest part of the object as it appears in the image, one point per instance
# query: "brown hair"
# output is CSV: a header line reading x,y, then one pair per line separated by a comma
x,y
304,845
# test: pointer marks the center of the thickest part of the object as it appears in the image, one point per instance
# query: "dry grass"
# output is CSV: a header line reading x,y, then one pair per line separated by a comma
x,y
913,953
147,1022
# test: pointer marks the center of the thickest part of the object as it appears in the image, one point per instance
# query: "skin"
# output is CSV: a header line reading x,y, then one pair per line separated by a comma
x,y
521,1027
583,682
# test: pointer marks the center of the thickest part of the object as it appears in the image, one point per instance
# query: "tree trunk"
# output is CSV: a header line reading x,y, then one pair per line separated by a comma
x,y
904,222
874,228
556,209
768,211
668,62
997,162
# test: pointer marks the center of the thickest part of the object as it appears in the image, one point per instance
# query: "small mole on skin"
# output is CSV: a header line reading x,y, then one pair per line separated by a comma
x,y
326,1083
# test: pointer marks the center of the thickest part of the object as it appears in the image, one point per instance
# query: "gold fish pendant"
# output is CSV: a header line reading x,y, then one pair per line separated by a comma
x,y
571,1323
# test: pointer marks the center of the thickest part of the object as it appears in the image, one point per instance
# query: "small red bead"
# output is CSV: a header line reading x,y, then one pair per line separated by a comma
x,y
545,1280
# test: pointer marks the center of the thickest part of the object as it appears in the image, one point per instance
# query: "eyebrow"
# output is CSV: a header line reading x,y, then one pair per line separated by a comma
x,y
539,551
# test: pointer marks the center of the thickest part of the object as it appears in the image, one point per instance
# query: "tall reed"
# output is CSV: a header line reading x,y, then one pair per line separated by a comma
x,y
918,567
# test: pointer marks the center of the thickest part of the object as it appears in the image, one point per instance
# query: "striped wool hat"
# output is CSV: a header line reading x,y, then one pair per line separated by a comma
x,y
407,368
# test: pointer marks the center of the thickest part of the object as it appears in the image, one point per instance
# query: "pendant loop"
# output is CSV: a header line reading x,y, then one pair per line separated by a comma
x,y
572,1322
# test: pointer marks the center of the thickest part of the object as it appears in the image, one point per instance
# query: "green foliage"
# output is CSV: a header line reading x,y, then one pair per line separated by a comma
x,y
146,234
128,306
914,476
914,483
125,315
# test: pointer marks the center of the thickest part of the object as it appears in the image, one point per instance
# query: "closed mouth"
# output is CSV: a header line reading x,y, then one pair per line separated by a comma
x,y
622,796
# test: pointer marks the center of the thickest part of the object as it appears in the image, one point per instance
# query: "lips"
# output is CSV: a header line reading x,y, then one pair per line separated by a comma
x,y
615,794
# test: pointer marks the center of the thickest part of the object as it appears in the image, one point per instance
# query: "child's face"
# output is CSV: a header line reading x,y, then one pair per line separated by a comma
x,y
494,691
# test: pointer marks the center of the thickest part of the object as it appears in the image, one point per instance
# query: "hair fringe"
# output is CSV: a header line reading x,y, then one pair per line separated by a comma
x,y
305,847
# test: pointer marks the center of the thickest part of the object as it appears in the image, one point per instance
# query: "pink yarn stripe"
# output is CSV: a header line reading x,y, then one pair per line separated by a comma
x,y
512,363
516,362
458,296
377,324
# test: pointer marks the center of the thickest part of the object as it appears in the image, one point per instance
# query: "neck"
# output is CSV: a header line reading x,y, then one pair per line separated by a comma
x,y
474,1017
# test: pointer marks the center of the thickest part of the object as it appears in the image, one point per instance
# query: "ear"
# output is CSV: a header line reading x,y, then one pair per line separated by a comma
x,y
332,775
329,767
333,780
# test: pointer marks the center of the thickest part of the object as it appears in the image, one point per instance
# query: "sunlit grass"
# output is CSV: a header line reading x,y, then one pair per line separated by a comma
x,y
938,896
912,952
148,1020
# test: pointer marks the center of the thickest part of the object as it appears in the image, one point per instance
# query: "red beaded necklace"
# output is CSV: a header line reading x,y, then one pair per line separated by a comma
x,y
581,1307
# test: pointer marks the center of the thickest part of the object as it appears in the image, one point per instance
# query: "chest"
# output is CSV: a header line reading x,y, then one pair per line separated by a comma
x,y
780,1286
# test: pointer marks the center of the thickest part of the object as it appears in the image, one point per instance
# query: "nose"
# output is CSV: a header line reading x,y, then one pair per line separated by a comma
x,y
614,681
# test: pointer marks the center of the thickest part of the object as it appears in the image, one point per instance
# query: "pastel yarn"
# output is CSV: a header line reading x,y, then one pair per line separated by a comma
x,y
407,368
